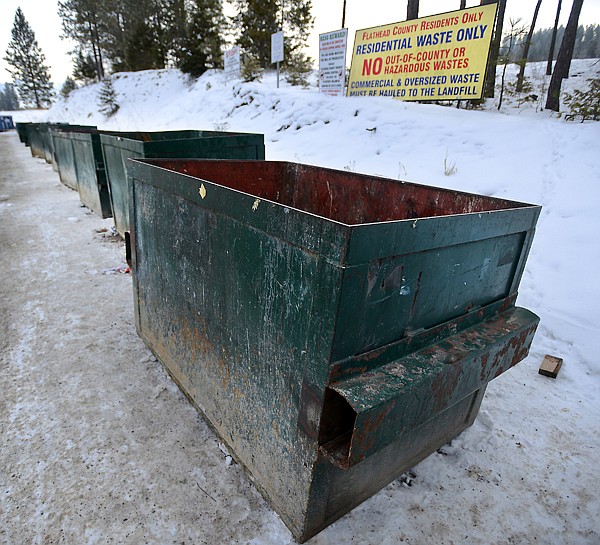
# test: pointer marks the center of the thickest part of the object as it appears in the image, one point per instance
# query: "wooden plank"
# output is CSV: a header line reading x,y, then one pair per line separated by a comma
x,y
550,366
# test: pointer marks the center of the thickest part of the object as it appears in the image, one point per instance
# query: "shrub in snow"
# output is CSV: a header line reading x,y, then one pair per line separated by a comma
x,y
297,69
68,86
584,104
251,69
107,98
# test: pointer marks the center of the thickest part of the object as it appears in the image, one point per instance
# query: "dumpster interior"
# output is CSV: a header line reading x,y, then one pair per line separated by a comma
x,y
340,196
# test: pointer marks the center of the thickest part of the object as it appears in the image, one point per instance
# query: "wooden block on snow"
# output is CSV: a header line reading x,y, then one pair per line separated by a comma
x,y
550,366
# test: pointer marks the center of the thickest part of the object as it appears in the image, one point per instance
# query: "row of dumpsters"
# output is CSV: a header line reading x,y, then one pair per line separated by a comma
x,y
333,328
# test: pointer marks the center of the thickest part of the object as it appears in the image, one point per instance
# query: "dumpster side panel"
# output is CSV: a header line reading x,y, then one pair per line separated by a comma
x,y
63,150
250,147
22,130
91,175
114,163
35,139
441,269
242,320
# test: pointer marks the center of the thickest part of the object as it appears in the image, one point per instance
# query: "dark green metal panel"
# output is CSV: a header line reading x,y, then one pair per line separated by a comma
x,y
65,160
117,148
36,140
91,174
22,131
308,342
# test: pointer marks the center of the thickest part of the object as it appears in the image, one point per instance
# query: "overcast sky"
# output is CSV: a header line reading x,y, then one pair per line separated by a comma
x,y
43,18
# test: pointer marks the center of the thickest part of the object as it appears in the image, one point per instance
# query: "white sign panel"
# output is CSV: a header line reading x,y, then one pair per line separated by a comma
x,y
332,62
277,47
231,62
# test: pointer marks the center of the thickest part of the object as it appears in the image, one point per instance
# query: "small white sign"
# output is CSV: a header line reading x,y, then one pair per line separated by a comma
x,y
232,63
332,62
277,47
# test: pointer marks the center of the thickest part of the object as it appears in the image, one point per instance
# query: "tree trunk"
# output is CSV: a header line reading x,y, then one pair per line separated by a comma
x,y
563,61
490,75
553,41
521,75
412,10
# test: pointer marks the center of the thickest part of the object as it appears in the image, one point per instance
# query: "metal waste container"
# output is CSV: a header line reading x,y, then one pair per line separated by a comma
x,y
334,328
22,131
81,166
207,144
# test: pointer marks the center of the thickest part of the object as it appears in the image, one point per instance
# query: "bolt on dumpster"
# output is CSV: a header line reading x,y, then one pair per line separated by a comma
x,y
334,328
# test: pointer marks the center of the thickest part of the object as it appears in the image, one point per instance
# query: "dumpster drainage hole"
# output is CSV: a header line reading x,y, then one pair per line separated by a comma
x,y
336,428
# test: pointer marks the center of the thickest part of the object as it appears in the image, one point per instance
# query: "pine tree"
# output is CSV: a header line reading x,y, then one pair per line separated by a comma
x,y
9,100
107,98
256,20
29,71
85,22
201,49
565,55
84,68
527,45
490,74
553,40
68,86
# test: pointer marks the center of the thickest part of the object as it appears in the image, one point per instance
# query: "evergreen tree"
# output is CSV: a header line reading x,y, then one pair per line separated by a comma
x,y
553,40
85,68
107,98
9,100
85,22
523,61
490,74
201,49
29,71
565,55
256,20
68,86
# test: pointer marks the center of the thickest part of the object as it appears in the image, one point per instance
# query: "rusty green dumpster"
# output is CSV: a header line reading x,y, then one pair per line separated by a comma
x,y
191,143
81,166
334,328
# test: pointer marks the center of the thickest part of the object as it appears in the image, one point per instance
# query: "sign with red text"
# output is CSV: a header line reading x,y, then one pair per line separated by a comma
x,y
442,57
231,62
332,62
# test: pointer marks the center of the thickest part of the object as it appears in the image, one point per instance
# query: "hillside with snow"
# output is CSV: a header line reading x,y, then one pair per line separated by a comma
x,y
527,470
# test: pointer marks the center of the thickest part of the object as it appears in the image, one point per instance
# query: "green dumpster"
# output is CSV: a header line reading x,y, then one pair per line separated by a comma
x,y
334,328
65,160
50,141
41,139
22,131
207,144
91,174
36,142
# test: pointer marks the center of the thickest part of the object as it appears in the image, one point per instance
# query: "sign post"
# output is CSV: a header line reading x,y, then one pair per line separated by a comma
x,y
332,62
277,50
442,57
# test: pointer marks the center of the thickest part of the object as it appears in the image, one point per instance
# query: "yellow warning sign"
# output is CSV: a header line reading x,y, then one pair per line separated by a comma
x,y
442,57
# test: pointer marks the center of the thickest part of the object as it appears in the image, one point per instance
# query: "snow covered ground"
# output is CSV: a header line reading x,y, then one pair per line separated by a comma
x,y
525,472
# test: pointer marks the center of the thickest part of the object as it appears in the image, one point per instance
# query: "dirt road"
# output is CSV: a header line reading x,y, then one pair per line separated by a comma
x,y
96,443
